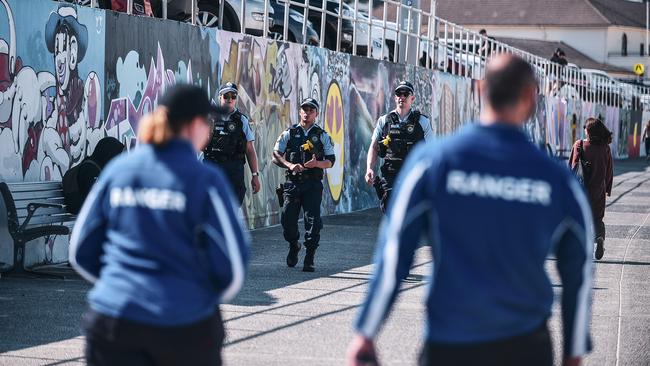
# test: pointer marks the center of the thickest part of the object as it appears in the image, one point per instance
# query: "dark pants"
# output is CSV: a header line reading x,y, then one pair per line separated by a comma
x,y
306,195
532,349
384,187
111,341
234,171
647,147
599,227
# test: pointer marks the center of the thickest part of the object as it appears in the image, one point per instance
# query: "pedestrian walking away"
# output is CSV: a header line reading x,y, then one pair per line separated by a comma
x,y
598,169
646,139
304,150
395,135
231,144
160,240
490,297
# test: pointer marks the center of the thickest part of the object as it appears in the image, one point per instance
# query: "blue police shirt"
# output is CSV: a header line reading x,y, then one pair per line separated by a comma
x,y
160,238
283,140
246,125
493,207
424,122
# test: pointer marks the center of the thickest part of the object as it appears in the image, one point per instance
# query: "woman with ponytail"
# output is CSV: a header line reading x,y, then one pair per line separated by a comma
x,y
595,152
160,240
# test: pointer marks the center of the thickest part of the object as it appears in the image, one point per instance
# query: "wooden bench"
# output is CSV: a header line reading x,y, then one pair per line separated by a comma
x,y
33,210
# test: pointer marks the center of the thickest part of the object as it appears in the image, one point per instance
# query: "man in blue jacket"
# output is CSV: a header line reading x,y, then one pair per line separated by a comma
x,y
490,297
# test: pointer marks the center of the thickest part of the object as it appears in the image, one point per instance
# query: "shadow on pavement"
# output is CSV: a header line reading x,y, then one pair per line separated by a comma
x,y
39,311
347,242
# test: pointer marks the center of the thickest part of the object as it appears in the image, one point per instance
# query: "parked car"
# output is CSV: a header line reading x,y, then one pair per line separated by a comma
x,y
331,22
294,31
208,15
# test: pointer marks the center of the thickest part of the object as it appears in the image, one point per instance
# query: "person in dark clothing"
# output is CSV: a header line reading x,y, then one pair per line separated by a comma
x,y
232,144
105,150
160,239
305,150
596,151
558,57
396,133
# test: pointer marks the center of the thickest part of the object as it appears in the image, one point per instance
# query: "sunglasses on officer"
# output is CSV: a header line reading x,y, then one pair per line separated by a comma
x,y
230,96
402,93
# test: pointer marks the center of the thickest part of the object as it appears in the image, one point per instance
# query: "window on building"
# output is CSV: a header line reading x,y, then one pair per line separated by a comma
x,y
641,49
624,45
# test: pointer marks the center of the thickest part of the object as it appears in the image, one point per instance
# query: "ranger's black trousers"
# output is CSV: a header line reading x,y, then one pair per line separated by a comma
x,y
532,349
111,341
306,194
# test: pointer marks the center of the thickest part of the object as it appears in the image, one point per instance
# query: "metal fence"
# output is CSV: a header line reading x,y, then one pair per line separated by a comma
x,y
418,36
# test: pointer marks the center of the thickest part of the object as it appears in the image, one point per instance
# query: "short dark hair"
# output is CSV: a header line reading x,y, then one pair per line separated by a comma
x,y
482,31
505,83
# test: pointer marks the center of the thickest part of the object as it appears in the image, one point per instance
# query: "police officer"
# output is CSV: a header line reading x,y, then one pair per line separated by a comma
x,y
304,150
232,143
160,238
395,135
493,206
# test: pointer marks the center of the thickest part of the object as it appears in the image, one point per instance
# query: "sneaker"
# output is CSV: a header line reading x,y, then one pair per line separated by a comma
x,y
292,257
600,247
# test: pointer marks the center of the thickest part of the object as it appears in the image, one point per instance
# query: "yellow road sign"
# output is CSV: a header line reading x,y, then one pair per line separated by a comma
x,y
639,69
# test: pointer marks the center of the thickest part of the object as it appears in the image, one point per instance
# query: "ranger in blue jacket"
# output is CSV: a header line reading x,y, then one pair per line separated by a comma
x,y
494,207
160,239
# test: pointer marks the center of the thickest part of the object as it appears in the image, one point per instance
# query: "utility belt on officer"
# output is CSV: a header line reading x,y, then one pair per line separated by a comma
x,y
309,174
223,158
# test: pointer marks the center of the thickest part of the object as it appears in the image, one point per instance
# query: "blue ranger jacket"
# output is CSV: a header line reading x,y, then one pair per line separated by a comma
x,y
493,207
160,238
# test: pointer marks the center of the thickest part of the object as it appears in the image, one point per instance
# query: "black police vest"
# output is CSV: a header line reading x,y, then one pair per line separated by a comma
x,y
299,151
228,141
398,139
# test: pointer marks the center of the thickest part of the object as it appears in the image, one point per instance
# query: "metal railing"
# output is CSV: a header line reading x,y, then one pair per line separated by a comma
x,y
444,45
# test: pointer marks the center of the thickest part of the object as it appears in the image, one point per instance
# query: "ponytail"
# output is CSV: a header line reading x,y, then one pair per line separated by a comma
x,y
155,127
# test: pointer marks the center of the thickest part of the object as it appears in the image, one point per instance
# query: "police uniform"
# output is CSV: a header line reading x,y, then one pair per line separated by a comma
x,y
396,136
303,190
227,146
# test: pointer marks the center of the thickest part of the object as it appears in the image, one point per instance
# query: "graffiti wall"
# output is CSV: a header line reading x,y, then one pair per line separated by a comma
x,y
70,76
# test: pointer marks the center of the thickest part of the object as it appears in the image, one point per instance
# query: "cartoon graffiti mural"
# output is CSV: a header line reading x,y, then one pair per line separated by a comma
x,y
65,84
51,95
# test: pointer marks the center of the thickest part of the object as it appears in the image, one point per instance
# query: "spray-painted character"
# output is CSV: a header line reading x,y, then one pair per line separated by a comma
x,y
76,105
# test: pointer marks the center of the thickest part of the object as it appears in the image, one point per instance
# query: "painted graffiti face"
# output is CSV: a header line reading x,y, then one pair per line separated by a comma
x,y
65,57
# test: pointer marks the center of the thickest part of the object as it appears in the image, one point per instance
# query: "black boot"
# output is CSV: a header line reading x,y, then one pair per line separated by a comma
x,y
308,265
292,257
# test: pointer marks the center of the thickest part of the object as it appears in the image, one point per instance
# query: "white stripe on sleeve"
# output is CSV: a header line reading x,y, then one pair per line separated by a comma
x,y
76,233
387,279
582,315
236,261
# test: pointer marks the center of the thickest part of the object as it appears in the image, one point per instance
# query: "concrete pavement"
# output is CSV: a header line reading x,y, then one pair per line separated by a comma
x,y
287,317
